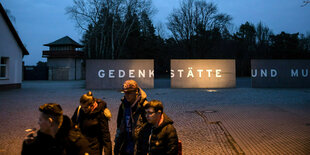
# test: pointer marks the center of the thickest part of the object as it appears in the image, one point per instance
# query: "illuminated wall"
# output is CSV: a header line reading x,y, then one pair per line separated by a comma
x,y
110,74
280,73
203,73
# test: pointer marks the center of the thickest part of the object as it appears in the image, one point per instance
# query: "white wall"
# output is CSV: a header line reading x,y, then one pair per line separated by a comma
x,y
9,48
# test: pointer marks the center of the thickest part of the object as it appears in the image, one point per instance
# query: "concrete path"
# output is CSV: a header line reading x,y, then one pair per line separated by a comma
x,y
242,120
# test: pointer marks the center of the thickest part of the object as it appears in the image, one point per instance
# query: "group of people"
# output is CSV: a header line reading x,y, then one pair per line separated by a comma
x,y
142,128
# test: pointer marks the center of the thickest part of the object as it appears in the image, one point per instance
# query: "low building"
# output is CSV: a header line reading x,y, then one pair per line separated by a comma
x,y
64,60
12,51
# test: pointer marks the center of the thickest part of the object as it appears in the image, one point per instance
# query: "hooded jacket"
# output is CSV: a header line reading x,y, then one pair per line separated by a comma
x,y
162,140
68,141
138,119
94,126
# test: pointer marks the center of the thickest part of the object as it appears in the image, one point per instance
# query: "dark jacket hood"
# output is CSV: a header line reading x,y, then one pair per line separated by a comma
x,y
65,127
165,122
143,95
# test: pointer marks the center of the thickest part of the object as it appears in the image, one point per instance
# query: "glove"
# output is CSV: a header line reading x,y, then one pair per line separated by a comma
x,y
107,113
30,136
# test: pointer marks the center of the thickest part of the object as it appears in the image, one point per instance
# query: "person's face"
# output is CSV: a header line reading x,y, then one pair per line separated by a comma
x,y
44,123
85,107
131,96
152,116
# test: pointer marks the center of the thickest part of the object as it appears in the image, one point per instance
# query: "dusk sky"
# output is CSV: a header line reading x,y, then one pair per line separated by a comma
x,y
43,21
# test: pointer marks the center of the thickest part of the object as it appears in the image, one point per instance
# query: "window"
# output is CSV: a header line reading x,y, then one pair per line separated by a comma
x,y
4,67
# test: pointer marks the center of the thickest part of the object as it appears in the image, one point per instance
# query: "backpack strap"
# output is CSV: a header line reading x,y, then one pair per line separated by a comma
x,y
78,116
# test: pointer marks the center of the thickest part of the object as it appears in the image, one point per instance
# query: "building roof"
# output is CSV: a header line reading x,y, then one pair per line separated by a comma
x,y
13,31
64,41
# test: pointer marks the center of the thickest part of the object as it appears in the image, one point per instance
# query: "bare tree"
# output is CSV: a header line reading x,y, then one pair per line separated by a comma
x,y
305,2
263,34
160,30
107,23
304,41
194,18
194,15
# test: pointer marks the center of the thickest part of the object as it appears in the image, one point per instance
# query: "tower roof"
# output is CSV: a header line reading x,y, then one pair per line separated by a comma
x,y
64,41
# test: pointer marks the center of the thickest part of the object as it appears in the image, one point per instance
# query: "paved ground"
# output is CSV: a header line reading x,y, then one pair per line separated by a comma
x,y
220,121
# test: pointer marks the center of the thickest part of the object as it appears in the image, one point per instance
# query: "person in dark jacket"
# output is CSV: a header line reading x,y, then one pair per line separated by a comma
x,y
56,136
130,118
157,136
92,118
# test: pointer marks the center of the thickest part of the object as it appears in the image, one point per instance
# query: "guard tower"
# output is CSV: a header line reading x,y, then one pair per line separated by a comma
x,y
64,60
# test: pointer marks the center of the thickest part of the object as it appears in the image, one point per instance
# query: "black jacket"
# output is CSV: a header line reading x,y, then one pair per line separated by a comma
x,y
68,141
95,127
138,119
164,139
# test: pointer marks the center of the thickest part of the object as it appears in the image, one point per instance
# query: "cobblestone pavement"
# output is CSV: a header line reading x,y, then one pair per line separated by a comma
x,y
220,121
